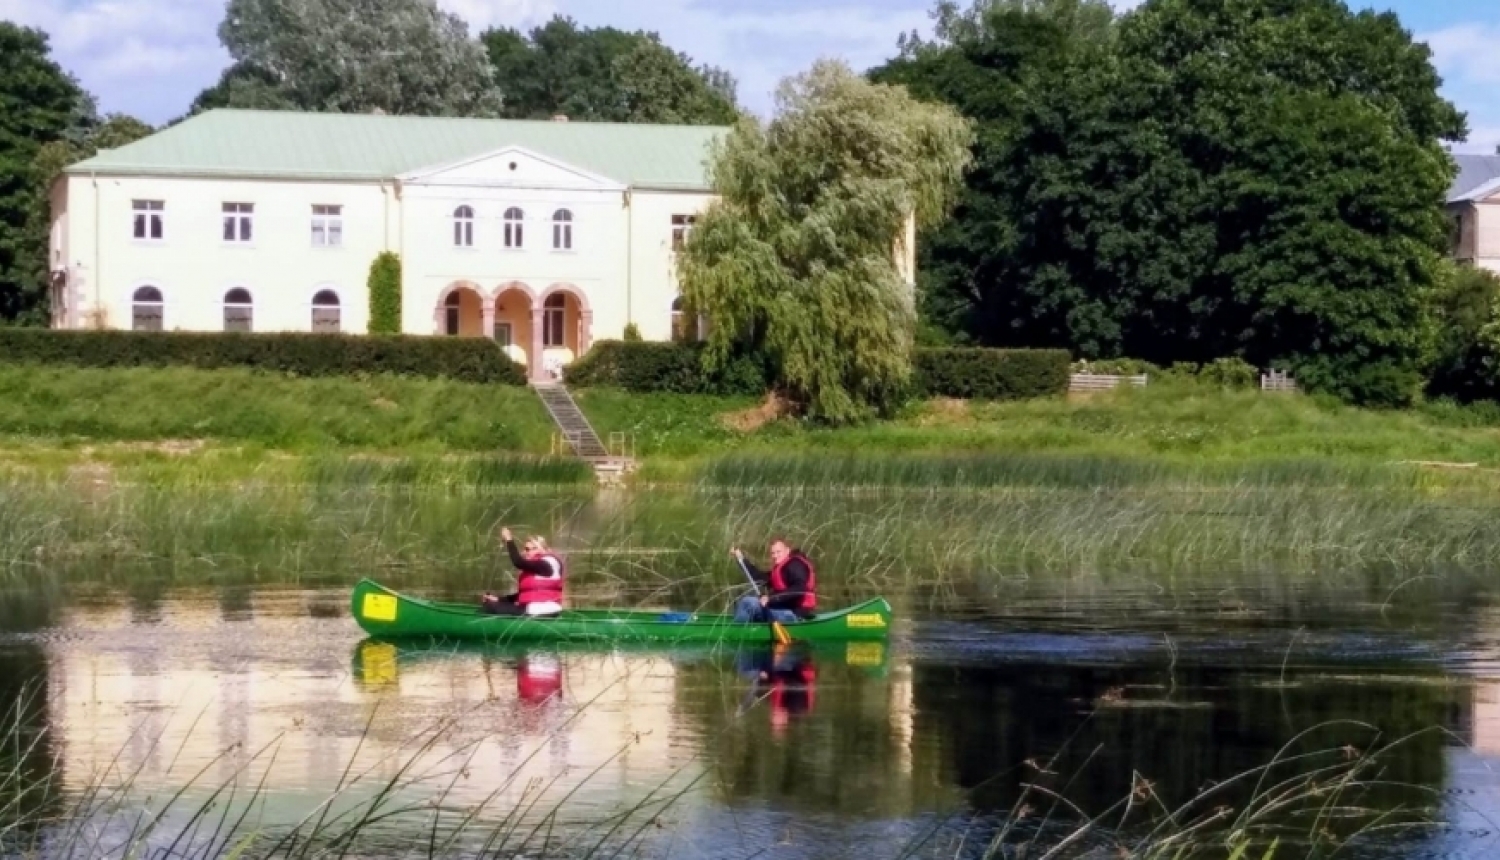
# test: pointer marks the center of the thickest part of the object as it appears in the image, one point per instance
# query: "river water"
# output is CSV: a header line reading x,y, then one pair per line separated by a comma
x,y
1342,714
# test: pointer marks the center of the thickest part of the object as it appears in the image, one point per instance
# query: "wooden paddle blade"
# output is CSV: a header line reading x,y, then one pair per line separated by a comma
x,y
782,637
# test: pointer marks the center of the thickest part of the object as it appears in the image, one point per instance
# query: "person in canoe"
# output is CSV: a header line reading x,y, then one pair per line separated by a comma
x,y
539,591
792,594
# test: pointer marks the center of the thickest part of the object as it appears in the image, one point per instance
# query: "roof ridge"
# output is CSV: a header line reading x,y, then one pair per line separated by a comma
x,y
411,117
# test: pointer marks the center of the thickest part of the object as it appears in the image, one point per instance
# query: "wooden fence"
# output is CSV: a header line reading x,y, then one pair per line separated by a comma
x,y
1102,382
1277,380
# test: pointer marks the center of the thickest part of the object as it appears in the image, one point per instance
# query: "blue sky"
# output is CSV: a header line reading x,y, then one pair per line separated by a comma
x,y
150,57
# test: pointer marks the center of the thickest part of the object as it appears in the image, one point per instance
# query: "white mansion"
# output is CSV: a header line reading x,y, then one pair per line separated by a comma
x,y
542,235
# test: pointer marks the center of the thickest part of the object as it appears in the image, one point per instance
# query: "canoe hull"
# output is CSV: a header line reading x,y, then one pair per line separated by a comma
x,y
387,614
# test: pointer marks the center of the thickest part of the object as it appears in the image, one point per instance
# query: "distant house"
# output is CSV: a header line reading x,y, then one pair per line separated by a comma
x,y
544,235
1474,203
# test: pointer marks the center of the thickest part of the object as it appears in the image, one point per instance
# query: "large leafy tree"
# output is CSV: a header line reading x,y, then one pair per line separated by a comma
x,y
1261,178
605,74
797,258
352,56
39,104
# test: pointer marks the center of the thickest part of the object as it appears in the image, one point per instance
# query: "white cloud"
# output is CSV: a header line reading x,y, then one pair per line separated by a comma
x,y
483,14
1467,51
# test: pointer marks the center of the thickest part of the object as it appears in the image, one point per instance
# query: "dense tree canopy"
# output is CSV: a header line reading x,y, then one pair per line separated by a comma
x,y
797,259
604,74
1260,178
39,104
352,56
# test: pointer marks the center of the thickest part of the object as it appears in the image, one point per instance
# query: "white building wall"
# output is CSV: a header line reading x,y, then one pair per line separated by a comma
x,y
194,267
1487,233
652,285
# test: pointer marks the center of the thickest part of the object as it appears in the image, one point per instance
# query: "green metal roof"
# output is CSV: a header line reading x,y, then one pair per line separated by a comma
x,y
286,144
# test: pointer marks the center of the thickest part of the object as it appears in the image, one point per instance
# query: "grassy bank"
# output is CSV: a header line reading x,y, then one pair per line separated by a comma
x,y
270,410
195,425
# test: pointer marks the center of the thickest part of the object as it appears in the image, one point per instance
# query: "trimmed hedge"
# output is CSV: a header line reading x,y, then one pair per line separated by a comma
x,y
677,368
464,359
991,374
986,374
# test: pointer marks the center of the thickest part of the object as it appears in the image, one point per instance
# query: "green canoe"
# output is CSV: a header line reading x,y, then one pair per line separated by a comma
x,y
386,614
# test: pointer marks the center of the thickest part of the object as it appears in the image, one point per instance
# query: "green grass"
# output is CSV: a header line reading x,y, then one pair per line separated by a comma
x,y
1170,428
273,411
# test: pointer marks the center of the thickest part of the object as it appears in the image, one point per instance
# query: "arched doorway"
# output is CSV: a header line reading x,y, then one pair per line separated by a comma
x,y
562,326
512,321
460,311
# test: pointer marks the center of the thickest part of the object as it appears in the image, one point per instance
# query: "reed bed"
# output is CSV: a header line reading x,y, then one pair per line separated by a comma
x,y
1249,547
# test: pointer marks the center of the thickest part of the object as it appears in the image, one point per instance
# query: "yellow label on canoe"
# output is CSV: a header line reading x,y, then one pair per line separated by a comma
x,y
377,662
870,619
379,607
864,653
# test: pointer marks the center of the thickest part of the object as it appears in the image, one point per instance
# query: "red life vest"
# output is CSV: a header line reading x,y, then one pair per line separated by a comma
x,y
801,696
541,589
809,594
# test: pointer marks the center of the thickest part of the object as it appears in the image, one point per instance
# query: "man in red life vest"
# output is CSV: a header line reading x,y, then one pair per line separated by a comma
x,y
792,594
539,591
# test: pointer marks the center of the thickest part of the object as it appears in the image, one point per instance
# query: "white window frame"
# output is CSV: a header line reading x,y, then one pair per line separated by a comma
x,y
463,226
509,339
562,230
160,304
146,214
237,220
560,310
514,220
327,225
337,307
226,305
682,226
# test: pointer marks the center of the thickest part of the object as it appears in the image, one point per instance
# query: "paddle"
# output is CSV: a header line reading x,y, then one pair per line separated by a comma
x,y
778,632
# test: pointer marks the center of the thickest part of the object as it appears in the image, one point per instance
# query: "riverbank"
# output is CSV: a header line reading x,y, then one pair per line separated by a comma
x,y
183,424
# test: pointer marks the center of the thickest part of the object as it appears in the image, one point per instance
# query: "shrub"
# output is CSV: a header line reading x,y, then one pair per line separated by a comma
x,y
385,294
668,367
990,374
465,359
1230,372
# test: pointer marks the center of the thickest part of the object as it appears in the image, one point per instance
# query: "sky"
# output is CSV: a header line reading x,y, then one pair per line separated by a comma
x,y
149,58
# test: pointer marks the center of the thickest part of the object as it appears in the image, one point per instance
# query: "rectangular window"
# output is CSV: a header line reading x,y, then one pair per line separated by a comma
x,y
682,225
450,321
552,327
239,222
328,226
502,334
147,219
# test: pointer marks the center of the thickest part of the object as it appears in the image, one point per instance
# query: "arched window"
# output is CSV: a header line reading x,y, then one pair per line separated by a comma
x,y
554,318
239,310
679,333
562,230
463,227
514,224
327,316
146,309
451,308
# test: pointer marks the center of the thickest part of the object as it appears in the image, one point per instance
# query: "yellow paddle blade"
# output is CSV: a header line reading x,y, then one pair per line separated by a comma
x,y
782,637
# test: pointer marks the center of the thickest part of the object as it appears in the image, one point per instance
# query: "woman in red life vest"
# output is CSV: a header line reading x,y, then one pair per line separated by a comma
x,y
793,588
539,591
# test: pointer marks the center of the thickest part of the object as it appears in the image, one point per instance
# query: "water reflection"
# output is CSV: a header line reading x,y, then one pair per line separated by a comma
x,y
837,750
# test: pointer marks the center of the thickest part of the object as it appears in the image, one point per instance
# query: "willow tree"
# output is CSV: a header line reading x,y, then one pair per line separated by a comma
x,y
797,259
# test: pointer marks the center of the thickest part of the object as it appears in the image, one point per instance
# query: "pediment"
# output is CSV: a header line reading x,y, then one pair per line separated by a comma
x,y
511,167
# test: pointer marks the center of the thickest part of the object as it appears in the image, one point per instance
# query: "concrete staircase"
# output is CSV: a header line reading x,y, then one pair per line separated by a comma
x,y
574,427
